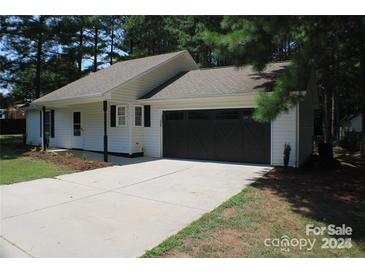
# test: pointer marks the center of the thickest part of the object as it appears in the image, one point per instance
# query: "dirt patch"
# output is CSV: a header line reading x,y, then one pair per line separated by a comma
x,y
70,162
229,212
225,243
177,254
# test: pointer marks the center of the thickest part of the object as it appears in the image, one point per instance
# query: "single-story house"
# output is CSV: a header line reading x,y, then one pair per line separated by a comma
x,y
351,123
165,106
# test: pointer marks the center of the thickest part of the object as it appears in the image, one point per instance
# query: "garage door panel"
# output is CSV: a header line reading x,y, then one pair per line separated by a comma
x,y
256,145
228,141
223,135
200,139
174,134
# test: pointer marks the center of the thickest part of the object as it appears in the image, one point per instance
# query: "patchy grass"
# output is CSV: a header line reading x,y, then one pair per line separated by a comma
x,y
281,203
14,167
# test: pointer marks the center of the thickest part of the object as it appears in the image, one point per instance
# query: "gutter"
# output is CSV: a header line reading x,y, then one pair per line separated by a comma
x,y
150,101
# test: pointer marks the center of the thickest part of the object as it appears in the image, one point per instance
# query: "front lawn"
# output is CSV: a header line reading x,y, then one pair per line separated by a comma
x,y
279,206
15,167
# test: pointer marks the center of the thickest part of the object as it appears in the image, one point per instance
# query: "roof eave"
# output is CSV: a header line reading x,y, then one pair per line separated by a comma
x,y
71,101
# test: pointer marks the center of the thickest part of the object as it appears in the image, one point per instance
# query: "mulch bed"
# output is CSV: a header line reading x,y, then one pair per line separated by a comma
x,y
70,162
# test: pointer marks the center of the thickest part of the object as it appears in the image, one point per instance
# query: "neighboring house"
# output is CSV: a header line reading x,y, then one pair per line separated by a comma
x,y
2,113
351,123
164,106
13,112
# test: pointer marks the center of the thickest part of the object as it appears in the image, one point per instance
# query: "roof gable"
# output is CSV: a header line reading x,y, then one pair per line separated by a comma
x,y
98,83
220,81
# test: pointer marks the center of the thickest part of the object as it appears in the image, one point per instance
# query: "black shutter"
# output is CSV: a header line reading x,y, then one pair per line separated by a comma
x,y
40,123
147,116
112,116
52,123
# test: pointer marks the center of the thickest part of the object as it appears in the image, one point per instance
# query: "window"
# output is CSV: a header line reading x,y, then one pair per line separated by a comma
x,y
77,123
198,115
227,115
138,116
121,115
174,115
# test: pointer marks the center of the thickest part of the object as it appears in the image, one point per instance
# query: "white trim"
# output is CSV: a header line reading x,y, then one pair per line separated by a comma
x,y
69,101
125,115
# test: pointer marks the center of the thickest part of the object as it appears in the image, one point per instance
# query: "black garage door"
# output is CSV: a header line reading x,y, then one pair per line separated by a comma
x,y
222,135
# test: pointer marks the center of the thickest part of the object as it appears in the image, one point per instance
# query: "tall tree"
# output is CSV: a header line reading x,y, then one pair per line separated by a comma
x,y
147,35
325,45
113,29
29,43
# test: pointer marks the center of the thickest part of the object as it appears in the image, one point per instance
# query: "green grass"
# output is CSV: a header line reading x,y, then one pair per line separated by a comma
x,y
282,203
14,167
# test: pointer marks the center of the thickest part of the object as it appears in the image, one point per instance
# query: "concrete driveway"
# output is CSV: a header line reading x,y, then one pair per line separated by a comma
x,y
118,211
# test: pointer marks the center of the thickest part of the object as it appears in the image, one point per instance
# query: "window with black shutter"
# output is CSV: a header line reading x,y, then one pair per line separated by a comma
x,y
77,123
147,116
112,115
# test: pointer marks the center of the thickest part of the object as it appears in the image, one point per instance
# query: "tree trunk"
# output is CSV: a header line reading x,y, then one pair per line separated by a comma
x,y
39,57
96,41
81,47
112,45
327,110
362,84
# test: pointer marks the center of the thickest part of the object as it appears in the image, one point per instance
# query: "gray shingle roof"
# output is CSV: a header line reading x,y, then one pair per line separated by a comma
x,y
96,84
217,82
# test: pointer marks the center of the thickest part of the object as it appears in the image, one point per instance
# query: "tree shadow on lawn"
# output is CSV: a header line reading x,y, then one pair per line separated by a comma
x,y
12,147
332,196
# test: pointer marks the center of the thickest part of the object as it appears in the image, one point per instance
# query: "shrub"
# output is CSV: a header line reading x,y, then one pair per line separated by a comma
x,y
69,154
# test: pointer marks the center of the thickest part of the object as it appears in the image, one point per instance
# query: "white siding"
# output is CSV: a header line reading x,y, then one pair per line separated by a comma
x,y
63,129
283,131
125,139
137,133
152,135
92,123
356,123
33,127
